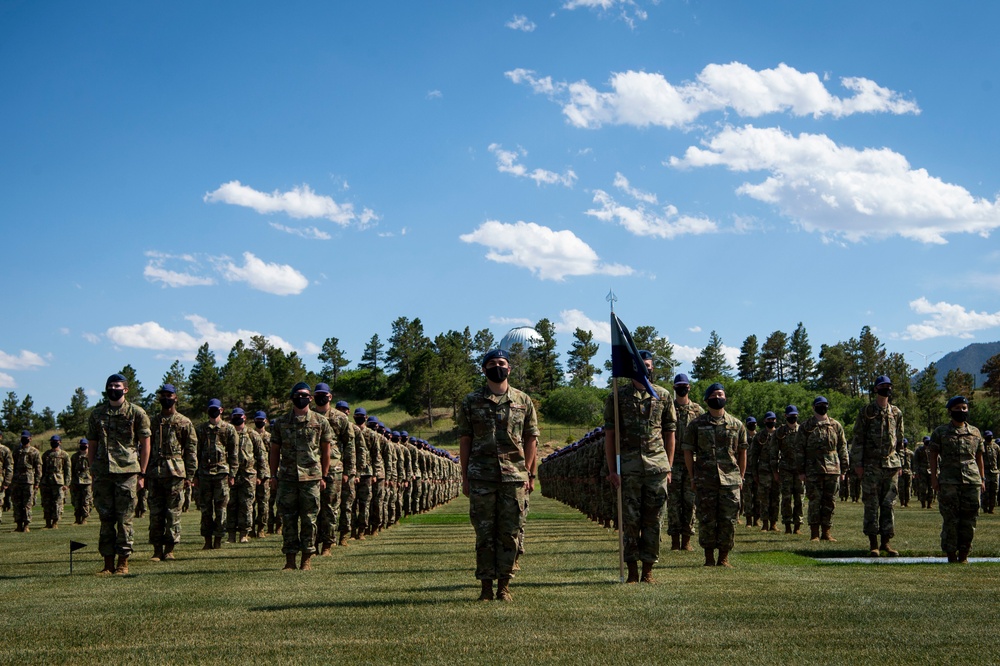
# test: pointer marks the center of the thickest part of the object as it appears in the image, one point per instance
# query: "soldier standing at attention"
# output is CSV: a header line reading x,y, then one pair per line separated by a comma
x,y
81,485
262,499
991,460
822,463
366,473
300,466
342,468
251,461
55,481
748,498
350,501
680,495
956,450
217,464
647,427
878,428
173,461
6,474
498,434
921,474
905,472
792,489
27,476
764,465
120,432
720,440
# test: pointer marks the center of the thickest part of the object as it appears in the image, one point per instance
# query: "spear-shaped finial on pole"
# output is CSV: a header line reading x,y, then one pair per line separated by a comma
x,y
611,298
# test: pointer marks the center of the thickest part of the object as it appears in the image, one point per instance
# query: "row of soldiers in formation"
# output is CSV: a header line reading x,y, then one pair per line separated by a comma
x,y
376,476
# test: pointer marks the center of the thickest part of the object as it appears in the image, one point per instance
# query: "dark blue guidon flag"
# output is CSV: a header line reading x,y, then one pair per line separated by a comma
x,y
625,360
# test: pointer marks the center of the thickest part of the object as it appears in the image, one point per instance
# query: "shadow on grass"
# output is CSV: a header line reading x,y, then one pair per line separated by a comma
x,y
357,603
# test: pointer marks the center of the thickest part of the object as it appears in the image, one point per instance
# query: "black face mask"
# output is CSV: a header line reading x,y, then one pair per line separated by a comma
x,y
238,420
301,401
213,412
884,392
114,395
752,427
716,403
497,374
769,425
167,403
322,399
959,417
360,420
25,440
821,409
54,445
259,424
681,391
791,419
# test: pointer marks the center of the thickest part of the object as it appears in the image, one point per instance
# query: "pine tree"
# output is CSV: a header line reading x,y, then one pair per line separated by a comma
x,y
73,419
544,372
928,395
774,358
749,361
992,371
333,360
648,338
11,416
801,366
711,361
205,381
835,369
581,353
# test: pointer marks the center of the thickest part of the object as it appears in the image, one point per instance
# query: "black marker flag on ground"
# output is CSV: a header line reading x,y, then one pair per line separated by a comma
x,y
625,359
74,546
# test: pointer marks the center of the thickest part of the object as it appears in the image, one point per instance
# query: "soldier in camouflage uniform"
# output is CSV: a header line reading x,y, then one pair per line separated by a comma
x,y
763,464
792,489
358,462
748,498
81,486
366,473
720,441
646,429
991,461
921,474
6,474
956,449
27,474
680,495
498,434
251,465
822,462
905,472
341,470
173,461
301,441
262,501
878,428
217,463
55,481
119,434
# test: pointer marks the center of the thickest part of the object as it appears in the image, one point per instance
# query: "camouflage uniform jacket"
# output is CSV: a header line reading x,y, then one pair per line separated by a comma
x,y
716,442
388,457
821,447
991,457
414,461
362,460
6,467
377,467
498,425
876,433
642,420
173,447
115,434
55,468
251,456
27,465
217,449
906,462
958,448
298,439
685,414
759,458
920,466
784,448
80,467
342,448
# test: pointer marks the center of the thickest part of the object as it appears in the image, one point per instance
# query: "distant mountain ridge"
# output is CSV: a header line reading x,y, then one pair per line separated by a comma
x,y
968,359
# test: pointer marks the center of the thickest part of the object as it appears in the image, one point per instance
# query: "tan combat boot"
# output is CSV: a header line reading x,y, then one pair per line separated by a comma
x,y
109,566
289,562
122,568
633,572
304,564
963,555
724,559
487,592
675,542
710,557
325,550
826,536
343,539
168,552
763,525
887,547
647,573
773,527
243,537
157,553
797,529
503,590
814,532
873,545
686,542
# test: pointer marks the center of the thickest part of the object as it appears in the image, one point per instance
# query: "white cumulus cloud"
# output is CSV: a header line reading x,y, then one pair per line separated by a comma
x,y
507,162
300,202
312,233
156,270
522,23
948,319
6,381
279,279
667,223
548,254
511,321
842,191
642,99
570,320
25,360
152,335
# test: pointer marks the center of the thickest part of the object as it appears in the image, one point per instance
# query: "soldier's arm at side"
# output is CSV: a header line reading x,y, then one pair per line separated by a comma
x,y
273,458
324,461
530,451
464,451
611,455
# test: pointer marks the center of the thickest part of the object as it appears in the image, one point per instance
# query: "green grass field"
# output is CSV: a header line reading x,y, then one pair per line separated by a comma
x,y
407,596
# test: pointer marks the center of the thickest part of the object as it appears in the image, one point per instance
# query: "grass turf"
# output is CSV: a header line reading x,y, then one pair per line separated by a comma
x,y
407,596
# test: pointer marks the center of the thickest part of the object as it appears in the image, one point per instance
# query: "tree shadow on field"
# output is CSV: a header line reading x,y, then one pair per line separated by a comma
x,y
378,572
358,603
567,583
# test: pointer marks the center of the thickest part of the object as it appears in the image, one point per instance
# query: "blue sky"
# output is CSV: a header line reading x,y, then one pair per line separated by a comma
x,y
185,172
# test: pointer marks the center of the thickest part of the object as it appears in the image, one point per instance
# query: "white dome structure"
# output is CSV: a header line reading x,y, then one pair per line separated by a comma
x,y
526,336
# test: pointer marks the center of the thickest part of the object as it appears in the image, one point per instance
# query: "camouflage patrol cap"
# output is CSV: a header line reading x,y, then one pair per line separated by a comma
x,y
957,400
495,353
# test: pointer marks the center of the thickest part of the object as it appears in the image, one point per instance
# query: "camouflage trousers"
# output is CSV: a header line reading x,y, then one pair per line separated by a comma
x,y
186,496
855,484
845,489
22,496
680,503
768,495
748,498
213,499
375,513
329,510
407,498
363,503
53,498
792,492
166,497
299,504
904,488
239,509
114,499
959,507
348,494
878,492
82,496
273,512
497,513
989,500
141,503
644,499
822,492
718,508
520,532
262,501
